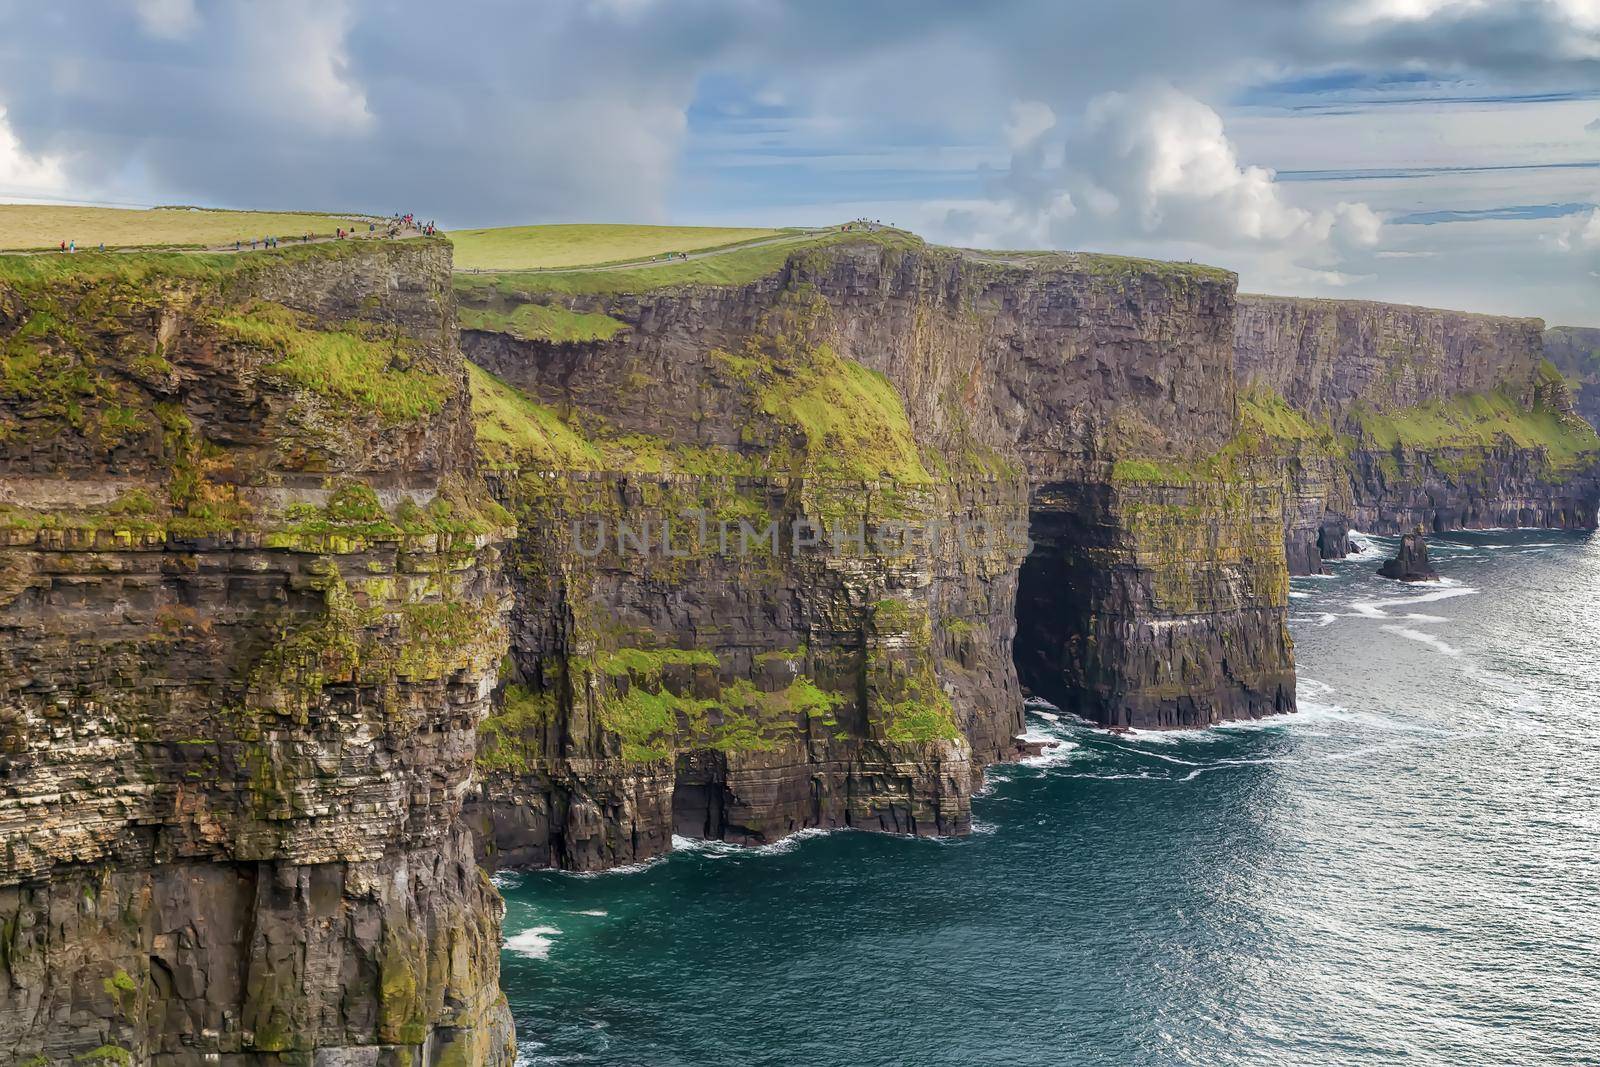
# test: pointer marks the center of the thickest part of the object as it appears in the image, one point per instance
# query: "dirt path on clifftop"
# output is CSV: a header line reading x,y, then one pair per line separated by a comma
x,y
229,249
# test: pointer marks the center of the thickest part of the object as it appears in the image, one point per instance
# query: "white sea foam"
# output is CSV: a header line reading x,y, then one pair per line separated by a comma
x,y
1378,609
1055,753
626,868
1365,548
1310,687
598,913
534,942
983,827
724,849
1438,644
1138,737
1295,594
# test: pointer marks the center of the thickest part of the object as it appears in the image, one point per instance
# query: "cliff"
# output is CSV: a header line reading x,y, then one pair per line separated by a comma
x,y
1418,417
251,613
984,473
303,615
1575,352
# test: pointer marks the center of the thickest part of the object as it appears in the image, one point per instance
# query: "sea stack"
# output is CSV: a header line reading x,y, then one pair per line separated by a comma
x,y
1411,565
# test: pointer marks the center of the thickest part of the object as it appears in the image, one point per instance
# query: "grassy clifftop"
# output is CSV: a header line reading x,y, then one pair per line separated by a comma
x,y
735,265
35,226
547,247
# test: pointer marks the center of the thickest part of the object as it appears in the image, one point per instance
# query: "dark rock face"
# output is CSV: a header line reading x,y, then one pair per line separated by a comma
x,y
244,648
1410,564
1073,397
1575,351
768,557
1416,417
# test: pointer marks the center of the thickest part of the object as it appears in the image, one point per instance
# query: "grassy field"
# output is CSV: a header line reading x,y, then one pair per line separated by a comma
x,y
29,226
543,247
736,267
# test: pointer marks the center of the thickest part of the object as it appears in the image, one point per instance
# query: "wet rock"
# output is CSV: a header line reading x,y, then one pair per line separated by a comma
x,y
1410,564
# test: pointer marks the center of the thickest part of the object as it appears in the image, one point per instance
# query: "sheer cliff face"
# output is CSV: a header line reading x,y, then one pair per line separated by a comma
x,y
1575,351
1327,358
251,613
840,680
1416,416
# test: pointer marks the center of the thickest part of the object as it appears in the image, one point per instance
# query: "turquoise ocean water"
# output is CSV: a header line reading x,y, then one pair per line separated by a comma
x,y
1407,870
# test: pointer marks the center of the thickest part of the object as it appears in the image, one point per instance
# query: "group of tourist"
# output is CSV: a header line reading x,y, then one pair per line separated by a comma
x,y
397,224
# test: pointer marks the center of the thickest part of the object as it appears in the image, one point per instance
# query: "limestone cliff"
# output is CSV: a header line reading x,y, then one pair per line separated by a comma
x,y
1575,352
1398,417
251,613
834,677
294,602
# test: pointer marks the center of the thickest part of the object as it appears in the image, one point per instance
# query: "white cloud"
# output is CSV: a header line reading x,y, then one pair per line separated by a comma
x,y
1153,166
1581,234
1030,120
169,19
23,174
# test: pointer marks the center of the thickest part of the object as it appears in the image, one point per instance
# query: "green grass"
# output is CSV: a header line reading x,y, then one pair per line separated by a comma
x,y
542,322
35,226
1482,420
843,419
738,267
141,268
854,423
351,364
544,247
515,431
1122,269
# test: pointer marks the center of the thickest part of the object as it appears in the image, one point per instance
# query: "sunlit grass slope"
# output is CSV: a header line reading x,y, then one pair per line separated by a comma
x,y
542,247
27,226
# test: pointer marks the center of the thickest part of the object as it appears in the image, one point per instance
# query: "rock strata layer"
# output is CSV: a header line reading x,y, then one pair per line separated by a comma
x,y
1405,416
251,613
1085,513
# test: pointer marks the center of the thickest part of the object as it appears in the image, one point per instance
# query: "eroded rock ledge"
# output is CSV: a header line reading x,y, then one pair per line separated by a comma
x,y
251,613
1399,417
1087,399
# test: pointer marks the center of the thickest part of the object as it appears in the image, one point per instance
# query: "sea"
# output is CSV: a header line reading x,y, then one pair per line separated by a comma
x,y
1405,871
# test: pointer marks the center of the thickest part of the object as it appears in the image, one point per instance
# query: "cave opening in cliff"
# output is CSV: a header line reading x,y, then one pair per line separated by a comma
x,y
1056,589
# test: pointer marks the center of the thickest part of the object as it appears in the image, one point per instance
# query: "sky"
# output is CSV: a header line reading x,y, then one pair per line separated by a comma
x,y
1444,152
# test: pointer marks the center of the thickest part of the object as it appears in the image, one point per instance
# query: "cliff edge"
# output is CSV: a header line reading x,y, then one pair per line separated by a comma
x,y
251,613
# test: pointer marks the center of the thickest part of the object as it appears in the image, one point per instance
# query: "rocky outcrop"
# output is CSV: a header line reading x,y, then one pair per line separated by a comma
x,y
1410,563
1398,417
909,419
251,613
1575,351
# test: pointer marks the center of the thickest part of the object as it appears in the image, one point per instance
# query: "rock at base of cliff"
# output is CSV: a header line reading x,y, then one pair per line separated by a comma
x,y
1411,565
